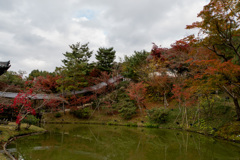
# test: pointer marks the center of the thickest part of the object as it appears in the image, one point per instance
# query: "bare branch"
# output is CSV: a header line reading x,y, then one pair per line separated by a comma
x,y
227,91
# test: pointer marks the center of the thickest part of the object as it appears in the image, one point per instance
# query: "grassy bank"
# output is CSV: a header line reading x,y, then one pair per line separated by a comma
x,y
8,131
99,117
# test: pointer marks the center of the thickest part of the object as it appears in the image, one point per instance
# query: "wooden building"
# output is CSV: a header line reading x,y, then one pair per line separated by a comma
x,y
4,66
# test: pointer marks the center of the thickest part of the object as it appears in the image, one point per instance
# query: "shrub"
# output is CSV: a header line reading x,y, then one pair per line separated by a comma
x,y
111,123
58,115
124,105
83,113
131,124
222,109
157,115
150,125
30,120
128,110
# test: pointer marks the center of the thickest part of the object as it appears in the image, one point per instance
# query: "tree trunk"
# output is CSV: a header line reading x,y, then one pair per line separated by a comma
x,y
64,109
140,108
237,108
165,101
63,105
186,117
235,100
18,126
28,126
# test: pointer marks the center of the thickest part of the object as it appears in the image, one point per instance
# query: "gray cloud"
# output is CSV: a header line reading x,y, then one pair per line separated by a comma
x,y
34,34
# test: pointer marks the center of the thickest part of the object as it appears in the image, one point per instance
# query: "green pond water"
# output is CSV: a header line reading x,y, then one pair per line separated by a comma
x,y
100,142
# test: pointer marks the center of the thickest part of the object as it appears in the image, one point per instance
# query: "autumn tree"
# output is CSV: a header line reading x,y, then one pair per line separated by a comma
x,y
173,58
46,84
23,105
165,67
103,84
183,95
219,28
157,52
136,92
105,58
219,32
212,75
155,75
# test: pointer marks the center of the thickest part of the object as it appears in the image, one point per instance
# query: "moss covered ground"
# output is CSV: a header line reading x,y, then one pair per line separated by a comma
x,y
9,131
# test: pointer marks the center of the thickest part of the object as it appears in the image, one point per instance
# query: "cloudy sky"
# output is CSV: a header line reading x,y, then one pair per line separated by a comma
x,y
35,33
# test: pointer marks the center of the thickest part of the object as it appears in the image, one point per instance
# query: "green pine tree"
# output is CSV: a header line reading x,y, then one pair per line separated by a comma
x,y
105,57
75,68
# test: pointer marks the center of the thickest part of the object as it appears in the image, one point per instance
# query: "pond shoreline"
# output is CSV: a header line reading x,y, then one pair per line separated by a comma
x,y
82,141
16,137
7,154
9,134
146,126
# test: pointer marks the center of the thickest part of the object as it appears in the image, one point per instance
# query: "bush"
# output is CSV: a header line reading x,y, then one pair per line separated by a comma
x,y
157,115
124,105
127,110
150,125
131,124
222,109
30,120
83,113
58,115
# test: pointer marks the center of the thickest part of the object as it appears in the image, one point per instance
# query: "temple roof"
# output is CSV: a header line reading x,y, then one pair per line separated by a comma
x,y
99,85
4,66
35,96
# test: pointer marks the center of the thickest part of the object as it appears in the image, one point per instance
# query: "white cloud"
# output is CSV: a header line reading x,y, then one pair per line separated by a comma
x,y
81,19
34,63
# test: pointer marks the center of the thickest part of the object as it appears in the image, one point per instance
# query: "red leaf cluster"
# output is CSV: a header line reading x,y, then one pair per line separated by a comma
x,y
137,92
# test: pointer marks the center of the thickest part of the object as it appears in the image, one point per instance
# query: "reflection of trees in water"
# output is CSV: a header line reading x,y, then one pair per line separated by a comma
x,y
111,142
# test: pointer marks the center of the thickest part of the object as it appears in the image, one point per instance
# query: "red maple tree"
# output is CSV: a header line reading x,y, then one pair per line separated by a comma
x,y
23,105
137,92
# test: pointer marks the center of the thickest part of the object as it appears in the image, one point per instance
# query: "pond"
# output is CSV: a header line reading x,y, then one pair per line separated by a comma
x,y
100,142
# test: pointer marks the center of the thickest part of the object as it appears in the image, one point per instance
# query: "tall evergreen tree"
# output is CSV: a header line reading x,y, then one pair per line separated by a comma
x,y
75,67
133,63
105,59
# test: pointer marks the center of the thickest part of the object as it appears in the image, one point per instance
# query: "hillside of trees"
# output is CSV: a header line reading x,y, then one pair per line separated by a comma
x,y
193,84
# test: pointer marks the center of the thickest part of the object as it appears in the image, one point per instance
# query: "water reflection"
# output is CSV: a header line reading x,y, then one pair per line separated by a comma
x,y
93,142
